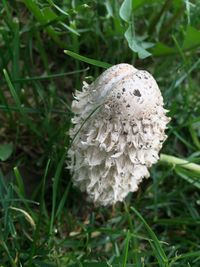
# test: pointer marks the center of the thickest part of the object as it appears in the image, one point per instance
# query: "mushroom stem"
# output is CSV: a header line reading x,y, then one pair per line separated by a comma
x,y
181,162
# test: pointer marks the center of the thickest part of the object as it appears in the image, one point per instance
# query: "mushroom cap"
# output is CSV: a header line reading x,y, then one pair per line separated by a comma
x,y
128,90
115,145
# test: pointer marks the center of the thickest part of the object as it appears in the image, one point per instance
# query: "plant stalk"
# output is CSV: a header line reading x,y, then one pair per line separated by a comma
x,y
181,162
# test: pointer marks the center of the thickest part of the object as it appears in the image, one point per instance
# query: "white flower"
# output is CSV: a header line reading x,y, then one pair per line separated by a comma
x,y
119,123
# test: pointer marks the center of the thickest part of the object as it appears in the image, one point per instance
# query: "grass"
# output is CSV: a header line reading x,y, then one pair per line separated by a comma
x,y
44,220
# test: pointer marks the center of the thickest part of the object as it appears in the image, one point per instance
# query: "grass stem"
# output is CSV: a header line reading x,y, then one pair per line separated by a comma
x,y
181,162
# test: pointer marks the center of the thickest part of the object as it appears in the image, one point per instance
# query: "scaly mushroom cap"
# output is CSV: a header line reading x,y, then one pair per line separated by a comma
x,y
119,123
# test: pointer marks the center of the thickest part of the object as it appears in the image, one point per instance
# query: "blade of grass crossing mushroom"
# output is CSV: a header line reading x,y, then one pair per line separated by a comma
x,y
83,124
88,60
155,244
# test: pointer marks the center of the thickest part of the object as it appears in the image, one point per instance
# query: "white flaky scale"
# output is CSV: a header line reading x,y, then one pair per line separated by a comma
x,y
119,123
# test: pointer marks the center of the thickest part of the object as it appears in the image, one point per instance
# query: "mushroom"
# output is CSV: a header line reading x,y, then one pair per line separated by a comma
x,y
119,123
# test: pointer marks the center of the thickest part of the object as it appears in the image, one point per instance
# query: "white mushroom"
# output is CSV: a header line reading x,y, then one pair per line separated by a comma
x,y
119,123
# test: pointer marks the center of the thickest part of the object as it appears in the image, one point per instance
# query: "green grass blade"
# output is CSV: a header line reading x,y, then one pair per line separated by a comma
x,y
195,254
134,237
12,90
58,8
42,19
38,224
81,126
55,191
159,252
50,76
16,52
6,151
94,62
126,249
62,201
6,250
20,182
19,105
191,178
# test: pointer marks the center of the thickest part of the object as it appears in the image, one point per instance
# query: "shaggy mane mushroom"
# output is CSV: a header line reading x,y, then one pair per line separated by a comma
x,y
113,149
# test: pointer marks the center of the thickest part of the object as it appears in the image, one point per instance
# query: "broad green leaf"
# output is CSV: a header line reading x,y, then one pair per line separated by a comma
x,y
34,8
49,14
147,45
44,15
161,49
6,151
109,8
126,10
134,44
192,38
138,3
126,13
177,3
